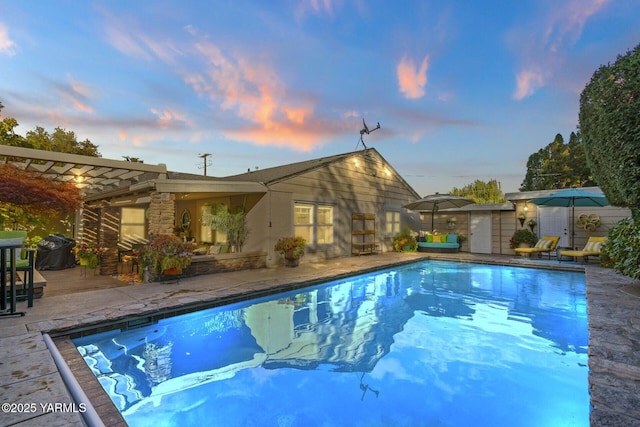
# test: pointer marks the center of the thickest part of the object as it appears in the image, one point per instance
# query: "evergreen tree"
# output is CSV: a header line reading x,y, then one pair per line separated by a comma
x,y
558,165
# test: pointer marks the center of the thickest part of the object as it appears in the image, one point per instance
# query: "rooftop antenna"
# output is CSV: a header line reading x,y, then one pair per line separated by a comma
x,y
366,130
205,162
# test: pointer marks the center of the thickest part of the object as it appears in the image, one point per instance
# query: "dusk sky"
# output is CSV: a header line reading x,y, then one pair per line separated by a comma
x,y
462,89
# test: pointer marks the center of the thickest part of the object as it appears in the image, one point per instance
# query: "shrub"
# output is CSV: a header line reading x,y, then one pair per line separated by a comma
x,y
523,236
622,250
405,241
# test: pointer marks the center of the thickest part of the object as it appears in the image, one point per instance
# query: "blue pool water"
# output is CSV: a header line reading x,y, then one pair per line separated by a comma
x,y
428,344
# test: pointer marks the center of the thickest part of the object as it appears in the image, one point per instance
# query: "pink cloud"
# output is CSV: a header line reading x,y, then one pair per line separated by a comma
x,y
528,81
168,118
543,45
253,90
126,36
77,94
412,80
7,46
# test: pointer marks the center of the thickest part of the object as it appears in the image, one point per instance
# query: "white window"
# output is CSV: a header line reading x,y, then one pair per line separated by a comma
x,y
132,223
392,223
325,225
314,223
303,222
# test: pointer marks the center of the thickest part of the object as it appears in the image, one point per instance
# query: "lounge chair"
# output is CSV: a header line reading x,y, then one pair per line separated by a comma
x,y
545,244
592,248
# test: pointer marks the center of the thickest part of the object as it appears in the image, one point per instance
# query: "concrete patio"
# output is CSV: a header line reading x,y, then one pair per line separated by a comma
x,y
29,376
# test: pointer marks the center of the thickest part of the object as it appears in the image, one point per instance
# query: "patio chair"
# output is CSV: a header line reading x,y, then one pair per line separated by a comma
x,y
545,244
25,261
592,248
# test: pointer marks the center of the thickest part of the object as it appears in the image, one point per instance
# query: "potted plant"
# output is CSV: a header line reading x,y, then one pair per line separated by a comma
x,y
461,239
405,241
523,236
88,254
167,254
522,217
532,224
234,225
292,248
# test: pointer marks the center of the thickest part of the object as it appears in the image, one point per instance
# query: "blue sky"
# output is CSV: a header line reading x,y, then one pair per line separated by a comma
x,y
463,90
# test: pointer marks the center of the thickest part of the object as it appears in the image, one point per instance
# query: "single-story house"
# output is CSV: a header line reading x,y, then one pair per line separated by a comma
x,y
345,204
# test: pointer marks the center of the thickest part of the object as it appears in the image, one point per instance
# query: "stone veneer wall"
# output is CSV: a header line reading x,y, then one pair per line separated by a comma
x,y
210,264
161,214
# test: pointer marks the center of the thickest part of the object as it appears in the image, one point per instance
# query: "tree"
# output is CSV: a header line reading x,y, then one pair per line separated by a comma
x,y
28,198
558,165
133,159
7,131
61,141
481,192
610,129
32,191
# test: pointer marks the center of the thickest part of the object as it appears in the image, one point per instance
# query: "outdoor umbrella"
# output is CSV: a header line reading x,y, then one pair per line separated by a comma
x,y
438,201
570,198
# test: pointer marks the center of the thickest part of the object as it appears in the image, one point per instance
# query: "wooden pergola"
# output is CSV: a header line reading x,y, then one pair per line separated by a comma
x,y
92,175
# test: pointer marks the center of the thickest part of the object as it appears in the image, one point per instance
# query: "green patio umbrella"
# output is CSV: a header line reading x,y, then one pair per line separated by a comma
x,y
570,198
437,201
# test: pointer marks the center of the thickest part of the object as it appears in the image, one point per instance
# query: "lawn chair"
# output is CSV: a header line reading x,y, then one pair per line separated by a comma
x,y
592,248
25,261
545,244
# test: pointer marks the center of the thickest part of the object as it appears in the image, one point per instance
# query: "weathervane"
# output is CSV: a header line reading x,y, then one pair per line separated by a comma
x,y
367,131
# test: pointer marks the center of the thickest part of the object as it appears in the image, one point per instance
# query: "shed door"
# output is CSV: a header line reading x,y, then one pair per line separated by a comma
x,y
480,233
554,221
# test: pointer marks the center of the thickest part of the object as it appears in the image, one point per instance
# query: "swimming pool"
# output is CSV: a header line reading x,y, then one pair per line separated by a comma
x,y
432,343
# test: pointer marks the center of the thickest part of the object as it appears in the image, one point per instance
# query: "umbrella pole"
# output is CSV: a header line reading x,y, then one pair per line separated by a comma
x,y
573,215
433,212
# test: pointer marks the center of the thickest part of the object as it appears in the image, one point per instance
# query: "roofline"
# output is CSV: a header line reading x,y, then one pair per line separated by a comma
x,y
55,156
199,186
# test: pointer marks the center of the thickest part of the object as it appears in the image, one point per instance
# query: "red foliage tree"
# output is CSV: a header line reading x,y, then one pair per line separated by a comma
x,y
35,192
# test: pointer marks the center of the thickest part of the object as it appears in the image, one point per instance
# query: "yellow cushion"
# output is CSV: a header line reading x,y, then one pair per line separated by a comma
x,y
543,244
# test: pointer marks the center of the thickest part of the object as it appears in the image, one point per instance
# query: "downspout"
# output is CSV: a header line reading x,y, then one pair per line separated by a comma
x,y
89,416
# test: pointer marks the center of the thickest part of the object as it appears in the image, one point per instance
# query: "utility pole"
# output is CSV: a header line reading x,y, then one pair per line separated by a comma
x,y
205,161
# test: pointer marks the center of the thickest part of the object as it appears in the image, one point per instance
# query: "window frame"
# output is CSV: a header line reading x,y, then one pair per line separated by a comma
x,y
124,224
395,223
315,225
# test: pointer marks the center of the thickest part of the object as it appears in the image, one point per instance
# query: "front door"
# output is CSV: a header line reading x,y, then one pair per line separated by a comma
x,y
480,233
554,221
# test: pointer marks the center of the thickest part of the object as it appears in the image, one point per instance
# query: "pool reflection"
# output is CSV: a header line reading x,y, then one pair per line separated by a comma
x,y
389,329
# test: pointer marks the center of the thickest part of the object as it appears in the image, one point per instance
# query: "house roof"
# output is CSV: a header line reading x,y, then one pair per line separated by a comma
x,y
99,178
280,173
